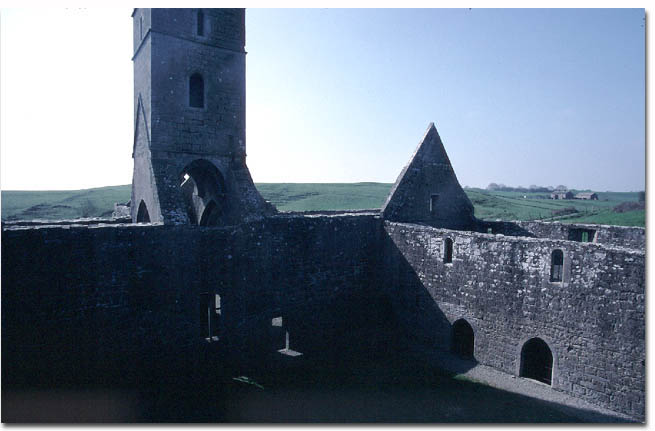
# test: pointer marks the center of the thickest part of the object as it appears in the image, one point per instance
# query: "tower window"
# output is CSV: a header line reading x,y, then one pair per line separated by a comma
x,y
556,265
196,91
141,27
200,24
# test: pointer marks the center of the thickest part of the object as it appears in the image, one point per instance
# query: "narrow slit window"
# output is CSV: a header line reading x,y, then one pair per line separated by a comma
x,y
434,198
556,265
448,251
200,24
196,91
141,27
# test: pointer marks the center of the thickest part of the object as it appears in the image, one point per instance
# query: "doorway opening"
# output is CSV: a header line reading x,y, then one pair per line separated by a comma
x,y
537,361
463,339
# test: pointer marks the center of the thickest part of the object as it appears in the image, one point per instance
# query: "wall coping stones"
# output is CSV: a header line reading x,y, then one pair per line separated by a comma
x,y
585,225
515,239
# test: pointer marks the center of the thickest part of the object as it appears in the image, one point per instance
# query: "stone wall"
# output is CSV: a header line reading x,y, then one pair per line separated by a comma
x,y
623,236
123,304
593,321
620,236
222,27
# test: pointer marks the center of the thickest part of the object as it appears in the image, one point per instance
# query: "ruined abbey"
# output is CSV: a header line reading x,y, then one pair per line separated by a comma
x,y
208,268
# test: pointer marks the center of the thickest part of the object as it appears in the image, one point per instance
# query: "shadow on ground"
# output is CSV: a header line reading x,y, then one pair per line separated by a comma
x,y
397,389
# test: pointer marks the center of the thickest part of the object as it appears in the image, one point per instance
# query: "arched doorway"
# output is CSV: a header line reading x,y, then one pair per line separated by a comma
x,y
463,343
537,361
203,189
142,215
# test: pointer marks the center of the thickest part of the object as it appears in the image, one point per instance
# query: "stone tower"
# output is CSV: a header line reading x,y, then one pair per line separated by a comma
x,y
190,119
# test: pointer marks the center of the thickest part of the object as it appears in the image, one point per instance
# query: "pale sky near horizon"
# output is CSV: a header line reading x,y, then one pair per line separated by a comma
x,y
520,97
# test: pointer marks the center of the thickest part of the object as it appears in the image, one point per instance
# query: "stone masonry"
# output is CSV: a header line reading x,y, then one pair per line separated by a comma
x,y
208,267
170,133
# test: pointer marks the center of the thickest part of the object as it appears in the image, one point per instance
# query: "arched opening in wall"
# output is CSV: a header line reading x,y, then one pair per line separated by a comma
x,y
142,215
556,265
537,361
203,189
448,250
463,339
196,91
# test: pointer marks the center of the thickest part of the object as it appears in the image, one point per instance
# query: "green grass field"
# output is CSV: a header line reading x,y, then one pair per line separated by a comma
x,y
99,202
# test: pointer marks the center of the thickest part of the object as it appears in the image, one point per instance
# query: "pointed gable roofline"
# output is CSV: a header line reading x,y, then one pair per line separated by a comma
x,y
427,190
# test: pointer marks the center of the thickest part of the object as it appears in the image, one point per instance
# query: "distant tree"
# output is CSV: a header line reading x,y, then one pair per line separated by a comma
x,y
492,186
561,187
642,196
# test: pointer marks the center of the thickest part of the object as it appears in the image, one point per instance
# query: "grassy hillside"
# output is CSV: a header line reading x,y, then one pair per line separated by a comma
x,y
324,196
59,205
305,196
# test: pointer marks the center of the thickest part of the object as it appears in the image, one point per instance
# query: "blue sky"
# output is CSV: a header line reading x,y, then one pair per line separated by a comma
x,y
520,97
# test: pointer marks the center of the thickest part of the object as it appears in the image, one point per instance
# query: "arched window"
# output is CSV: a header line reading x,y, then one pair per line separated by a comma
x,y
200,23
463,339
556,265
196,91
537,361
142,215
448,250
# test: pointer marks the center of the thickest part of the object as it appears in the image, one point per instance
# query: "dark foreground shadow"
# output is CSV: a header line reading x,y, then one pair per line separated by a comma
x,y
396,389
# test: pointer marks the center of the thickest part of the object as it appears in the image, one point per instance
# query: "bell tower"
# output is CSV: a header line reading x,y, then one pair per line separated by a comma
x,y
190,119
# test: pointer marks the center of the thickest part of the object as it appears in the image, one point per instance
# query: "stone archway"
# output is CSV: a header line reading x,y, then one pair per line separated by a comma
x,y
142,215
463,339
203,189
537,361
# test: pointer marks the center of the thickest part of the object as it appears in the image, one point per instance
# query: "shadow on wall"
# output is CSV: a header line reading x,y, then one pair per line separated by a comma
x,y
422,323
